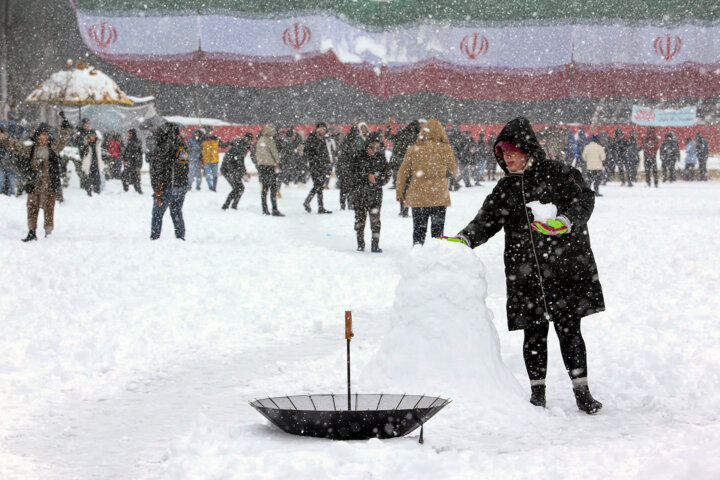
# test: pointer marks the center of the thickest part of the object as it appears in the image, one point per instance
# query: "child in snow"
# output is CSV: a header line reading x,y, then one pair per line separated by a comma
x,y
550,270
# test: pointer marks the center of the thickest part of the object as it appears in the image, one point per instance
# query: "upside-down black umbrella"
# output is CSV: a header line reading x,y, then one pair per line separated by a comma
x,y
350,416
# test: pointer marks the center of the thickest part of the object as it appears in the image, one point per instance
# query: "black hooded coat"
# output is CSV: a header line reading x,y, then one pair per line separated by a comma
x,y
547,278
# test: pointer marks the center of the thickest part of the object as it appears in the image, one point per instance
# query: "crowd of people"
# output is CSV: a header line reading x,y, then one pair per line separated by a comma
x,y
449,158
549,265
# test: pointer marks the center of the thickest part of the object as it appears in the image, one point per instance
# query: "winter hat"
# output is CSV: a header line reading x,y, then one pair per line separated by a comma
x,y
504,145
42,128
373,137
320,125
595,138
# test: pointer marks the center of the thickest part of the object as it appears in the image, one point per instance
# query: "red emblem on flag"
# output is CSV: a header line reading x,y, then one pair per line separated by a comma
x,y
667,46
474,45
103,34
296,36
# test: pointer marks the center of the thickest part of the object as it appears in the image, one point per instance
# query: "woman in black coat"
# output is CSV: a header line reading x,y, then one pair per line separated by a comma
x,y
550,269
233,169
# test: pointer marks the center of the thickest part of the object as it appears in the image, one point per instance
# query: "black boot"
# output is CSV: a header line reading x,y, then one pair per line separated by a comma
x,y
360,242
375,246
537,397
277,213
30,236
264,206
322,210
306,204
585,401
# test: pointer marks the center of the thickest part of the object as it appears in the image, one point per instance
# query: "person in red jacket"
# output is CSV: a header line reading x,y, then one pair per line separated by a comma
x,y
114,146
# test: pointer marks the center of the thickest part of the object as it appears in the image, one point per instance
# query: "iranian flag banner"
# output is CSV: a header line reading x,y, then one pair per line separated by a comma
x,y
467,49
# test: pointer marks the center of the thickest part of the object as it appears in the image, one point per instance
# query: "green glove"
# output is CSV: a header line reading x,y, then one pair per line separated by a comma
x,y
552,227
454,239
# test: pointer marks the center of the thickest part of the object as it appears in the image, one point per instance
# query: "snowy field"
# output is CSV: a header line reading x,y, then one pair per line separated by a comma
x,y
129,359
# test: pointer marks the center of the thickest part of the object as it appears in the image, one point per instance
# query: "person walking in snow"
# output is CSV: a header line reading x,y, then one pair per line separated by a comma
x,y
40,166
669,156
690,159
370,171
268,165
92,162
234,171
650,150
318,160
169,179
593,158
422,180
195,152
550,270
132,159
703,152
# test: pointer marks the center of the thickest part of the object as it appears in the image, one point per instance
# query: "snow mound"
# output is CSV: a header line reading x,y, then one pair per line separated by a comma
x,y
80,85
442,340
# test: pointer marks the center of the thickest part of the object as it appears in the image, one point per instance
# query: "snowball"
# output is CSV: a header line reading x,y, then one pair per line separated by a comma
x,y
542,212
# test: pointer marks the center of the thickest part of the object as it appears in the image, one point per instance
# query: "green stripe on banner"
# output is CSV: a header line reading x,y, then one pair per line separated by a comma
x,y
387,13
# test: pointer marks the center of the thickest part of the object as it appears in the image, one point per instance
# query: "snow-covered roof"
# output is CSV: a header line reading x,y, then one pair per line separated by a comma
x,y
81,85
195,120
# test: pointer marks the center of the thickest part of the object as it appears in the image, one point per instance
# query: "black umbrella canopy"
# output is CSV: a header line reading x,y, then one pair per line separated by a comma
x,y
369,416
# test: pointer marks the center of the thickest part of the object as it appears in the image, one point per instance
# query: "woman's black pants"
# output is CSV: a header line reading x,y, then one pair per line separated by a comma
x,y
572,347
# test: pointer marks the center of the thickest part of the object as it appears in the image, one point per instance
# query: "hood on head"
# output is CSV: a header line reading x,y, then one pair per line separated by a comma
x,y
519,132
270,129
362,124
414,127
434,132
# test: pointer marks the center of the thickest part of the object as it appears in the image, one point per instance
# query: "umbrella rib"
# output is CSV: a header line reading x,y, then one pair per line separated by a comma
x,y
291,402
313,403
278,406
401,399
418,402
333,399
377,407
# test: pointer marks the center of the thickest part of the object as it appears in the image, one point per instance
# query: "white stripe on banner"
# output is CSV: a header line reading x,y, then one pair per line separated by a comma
x,y
515,47
683,117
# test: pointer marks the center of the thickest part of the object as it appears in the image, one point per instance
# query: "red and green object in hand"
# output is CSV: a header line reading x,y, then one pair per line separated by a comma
x,y
551,227
454,239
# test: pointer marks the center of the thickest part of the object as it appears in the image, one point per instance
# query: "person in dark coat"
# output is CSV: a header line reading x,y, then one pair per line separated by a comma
x,y
233,169
632,159
401,140
616,156
703,152
317,158
650,150
169,178
40,166
344,167
370,171
550,270
669,156
132,162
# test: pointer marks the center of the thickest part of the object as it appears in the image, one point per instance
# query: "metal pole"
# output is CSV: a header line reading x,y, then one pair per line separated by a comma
x,y
348,335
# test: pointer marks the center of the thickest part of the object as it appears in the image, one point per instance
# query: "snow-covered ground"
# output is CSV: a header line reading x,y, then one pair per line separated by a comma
x,y
129,359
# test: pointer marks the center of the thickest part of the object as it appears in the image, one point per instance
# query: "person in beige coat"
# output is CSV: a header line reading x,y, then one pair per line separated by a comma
x,y
422,180
268,165
594,156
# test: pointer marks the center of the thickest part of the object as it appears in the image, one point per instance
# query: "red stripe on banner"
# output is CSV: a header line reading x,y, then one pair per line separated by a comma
x,y
693,80
456,81
711,133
